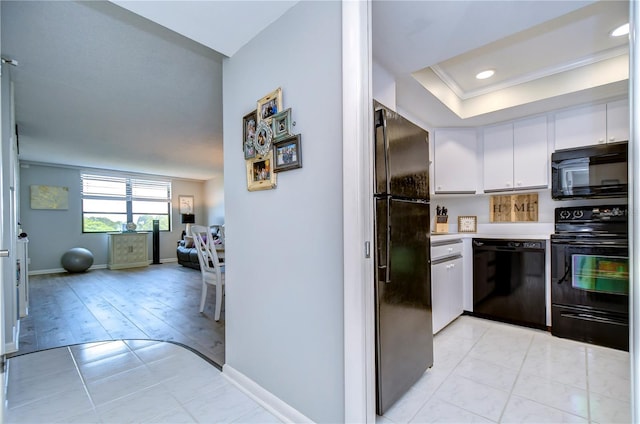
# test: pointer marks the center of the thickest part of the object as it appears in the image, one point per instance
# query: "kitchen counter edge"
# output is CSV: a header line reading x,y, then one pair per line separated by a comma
x,y
439,237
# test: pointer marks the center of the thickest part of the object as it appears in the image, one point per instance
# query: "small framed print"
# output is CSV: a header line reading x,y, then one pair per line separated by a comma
x,y
249,151
260,175
281,125
467,224
185,205
264,135
249,124
269,105
287,154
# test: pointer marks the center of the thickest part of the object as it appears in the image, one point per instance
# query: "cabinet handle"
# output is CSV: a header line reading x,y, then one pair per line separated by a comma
x,y
519,183
612,139
601,140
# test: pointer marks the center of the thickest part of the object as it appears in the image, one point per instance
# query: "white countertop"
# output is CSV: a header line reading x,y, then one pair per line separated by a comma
x,y
510,236
512,231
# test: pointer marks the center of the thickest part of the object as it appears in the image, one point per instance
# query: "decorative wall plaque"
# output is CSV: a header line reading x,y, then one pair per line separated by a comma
x,y
514,208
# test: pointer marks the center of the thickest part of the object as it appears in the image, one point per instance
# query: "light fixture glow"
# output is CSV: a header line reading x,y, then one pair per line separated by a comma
x,y
620,31
485,74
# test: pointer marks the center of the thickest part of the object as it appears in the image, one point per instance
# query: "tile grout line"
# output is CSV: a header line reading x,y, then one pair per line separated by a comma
x,y
513,386
586,368
451,373
84,383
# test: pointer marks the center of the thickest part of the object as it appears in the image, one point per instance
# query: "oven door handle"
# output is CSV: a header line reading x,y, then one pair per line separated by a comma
x,y
596,243
593,318
566,273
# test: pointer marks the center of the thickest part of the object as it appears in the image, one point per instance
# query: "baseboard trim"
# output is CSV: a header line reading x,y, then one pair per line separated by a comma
x,y
282,410
60,270
103,266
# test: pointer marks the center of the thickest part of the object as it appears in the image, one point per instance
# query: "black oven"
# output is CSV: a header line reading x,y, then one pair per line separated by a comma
x,y
590,275
586,172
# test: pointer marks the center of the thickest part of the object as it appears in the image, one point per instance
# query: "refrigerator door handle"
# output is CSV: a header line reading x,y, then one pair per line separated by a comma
x,y
381,132
387,277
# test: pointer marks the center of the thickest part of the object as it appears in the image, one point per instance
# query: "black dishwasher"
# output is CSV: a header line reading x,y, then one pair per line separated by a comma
x,y
509,281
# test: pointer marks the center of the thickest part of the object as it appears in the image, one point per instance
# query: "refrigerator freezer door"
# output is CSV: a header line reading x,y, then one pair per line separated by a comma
x,y
404,337
401,157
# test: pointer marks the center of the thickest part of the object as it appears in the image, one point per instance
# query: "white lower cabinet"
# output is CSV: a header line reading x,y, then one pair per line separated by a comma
x,y
446,286
127,250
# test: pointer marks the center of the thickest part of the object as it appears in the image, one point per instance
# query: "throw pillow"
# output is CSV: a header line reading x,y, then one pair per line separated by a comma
x,y
188,242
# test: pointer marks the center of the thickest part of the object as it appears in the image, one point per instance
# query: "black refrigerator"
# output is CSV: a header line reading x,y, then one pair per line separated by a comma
x,y
404,336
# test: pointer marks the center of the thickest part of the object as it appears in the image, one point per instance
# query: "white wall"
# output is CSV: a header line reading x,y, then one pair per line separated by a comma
x,y
53,232
284,292
384,86
214,200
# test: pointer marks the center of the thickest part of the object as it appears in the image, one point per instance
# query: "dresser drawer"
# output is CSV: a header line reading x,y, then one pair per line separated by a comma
x,y
452,248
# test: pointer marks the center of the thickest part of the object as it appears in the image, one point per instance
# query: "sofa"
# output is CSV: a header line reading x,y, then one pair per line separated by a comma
x,y
186,250
187,255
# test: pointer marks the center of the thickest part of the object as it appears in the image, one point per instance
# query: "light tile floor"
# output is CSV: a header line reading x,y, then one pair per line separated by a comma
x,y
123,381
490,372
484,372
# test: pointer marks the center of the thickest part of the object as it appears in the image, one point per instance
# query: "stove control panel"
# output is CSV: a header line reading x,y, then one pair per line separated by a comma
x,y
592,213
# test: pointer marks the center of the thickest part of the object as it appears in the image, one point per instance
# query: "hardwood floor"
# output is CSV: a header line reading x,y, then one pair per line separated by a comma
x,y
159,302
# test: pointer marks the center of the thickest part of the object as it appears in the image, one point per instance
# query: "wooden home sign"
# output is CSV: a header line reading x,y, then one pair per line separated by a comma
x,y
514,208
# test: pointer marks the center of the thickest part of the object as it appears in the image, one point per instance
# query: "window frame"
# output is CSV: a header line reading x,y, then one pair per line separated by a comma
x,y
132,185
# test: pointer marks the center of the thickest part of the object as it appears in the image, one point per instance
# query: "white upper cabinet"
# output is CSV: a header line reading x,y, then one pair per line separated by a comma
x,y
498,158
455,161
516,156
530,153
589,125
618,121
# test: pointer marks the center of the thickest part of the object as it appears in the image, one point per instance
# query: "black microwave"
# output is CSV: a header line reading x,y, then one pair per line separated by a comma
x,y
590,172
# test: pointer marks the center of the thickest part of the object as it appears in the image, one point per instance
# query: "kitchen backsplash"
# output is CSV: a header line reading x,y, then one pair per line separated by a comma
x,y
478,205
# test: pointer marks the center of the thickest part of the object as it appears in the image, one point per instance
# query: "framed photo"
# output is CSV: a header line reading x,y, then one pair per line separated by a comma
x,y
269,105
264,135
186,205
288,154
281,125
249,151
467,224
249,124
260,175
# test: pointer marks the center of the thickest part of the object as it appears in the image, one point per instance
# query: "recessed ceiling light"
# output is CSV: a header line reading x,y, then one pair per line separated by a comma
x,y
485,74
620,31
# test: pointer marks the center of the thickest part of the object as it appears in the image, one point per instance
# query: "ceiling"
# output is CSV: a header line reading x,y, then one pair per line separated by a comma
x,y
99,86
547,55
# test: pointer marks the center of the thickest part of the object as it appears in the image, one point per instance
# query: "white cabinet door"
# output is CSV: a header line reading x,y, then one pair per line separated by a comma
x,y
582,126
446,292
530,155
455,161
498,158
455,291
618,121
439,304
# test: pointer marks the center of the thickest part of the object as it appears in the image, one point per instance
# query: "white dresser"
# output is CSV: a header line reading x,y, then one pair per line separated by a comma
x,y
128,250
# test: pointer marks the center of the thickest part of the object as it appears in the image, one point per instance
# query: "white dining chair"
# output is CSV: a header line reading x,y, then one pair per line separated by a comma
x,y
210,268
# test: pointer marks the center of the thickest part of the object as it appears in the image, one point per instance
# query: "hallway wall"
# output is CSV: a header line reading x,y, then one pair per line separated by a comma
x,y
284,246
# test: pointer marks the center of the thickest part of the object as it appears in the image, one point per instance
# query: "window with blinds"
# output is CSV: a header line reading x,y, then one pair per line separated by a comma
x,y
109,202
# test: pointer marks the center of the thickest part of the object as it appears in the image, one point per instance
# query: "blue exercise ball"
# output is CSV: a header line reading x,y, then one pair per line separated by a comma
x,y
77,259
